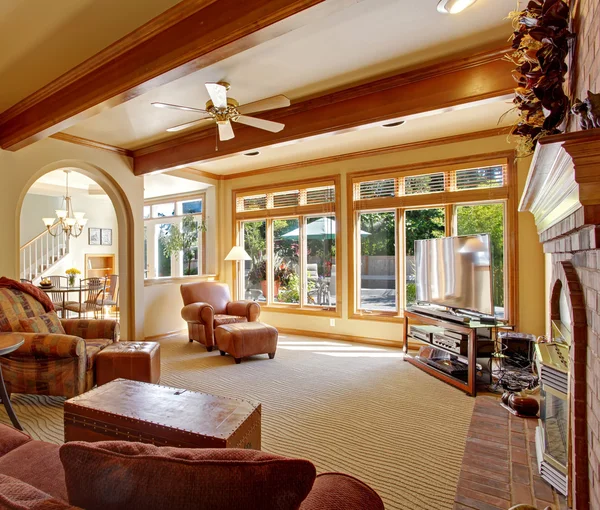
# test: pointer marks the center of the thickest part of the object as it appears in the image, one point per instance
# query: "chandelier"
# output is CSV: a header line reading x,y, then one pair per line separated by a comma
x,y
70,223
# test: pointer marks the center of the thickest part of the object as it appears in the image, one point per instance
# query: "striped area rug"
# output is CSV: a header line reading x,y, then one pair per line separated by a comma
x,y
346,407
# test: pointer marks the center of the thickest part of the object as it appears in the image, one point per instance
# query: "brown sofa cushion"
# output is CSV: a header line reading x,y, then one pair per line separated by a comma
x,y
44,323
18,495
11,438
336,490
221,319
112,475
38,464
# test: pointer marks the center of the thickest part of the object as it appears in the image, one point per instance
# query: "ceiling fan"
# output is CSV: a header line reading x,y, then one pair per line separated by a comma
x,y
225,109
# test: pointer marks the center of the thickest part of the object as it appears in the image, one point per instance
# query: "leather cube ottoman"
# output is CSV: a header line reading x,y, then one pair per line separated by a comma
x,y
246,339
138,361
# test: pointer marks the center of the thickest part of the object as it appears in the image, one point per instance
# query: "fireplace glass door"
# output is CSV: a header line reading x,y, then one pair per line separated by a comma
x,y
554,417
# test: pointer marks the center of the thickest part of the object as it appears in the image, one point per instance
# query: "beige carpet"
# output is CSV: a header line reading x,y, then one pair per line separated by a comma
x,y
346,407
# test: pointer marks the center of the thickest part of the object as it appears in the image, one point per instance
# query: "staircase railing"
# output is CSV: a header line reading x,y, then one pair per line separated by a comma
x,y
42,252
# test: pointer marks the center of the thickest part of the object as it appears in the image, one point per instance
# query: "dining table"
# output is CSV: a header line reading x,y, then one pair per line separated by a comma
x,y
65,291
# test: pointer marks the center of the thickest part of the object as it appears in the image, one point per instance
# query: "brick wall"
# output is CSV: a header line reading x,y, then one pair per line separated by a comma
x,y
582,246
585,57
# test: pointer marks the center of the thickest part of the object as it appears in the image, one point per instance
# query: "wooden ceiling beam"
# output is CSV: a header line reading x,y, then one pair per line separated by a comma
x,y
439,86
190,36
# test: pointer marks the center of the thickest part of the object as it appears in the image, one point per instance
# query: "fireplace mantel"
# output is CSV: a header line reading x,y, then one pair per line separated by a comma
x,y
563,194
564,181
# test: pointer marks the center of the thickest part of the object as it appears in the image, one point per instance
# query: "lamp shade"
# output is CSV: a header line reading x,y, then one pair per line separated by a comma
x,y
237,253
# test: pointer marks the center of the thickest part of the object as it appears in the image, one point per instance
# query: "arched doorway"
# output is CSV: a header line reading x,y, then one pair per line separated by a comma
x,y
123,238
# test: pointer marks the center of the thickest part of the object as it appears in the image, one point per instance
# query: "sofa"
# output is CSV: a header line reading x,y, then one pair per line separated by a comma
x,y
115,475
208,305
58,355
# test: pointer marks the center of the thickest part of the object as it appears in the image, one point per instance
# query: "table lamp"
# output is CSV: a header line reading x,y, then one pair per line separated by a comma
x,y
237,254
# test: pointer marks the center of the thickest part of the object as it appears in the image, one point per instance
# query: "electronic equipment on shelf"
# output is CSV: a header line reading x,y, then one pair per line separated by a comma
x,y
424,333
449,366
458,346
455,335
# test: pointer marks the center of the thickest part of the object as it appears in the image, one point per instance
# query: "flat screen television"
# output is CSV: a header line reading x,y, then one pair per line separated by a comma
x,y
455,272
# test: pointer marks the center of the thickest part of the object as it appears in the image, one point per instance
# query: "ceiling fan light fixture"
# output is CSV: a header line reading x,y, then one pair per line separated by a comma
x,y
454,6
393,124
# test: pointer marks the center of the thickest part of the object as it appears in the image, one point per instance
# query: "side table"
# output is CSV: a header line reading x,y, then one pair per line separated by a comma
x,y
8,344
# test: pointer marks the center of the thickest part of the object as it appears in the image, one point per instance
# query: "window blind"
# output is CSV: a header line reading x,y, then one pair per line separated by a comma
x,y
477,178
322,195
421,184
378,189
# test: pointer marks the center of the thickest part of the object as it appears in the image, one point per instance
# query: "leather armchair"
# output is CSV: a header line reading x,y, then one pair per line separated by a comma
x,y
207,305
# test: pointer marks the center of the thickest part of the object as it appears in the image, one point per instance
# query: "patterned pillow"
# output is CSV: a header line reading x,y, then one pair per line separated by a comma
x,y
45,323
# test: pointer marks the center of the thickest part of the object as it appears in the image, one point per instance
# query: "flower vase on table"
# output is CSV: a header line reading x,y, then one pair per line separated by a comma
x,y
72,275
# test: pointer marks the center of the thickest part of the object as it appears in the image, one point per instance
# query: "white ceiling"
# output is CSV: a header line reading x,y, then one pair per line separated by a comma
x,y
159,185
475,117
54,184
371,38
42,39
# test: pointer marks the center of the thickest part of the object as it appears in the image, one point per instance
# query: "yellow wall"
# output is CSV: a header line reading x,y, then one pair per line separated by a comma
x,y
530,256
19,170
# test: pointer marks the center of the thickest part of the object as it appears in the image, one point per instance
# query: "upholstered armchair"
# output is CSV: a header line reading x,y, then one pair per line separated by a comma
x,y
208,305
57,363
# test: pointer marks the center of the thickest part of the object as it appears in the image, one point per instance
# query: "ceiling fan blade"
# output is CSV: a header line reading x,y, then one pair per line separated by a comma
x,y
218,94
177,107
225,131
181,127
267,125
270,103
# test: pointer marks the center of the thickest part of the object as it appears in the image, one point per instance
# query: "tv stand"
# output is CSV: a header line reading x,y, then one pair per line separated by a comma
x,y
467,384
440,313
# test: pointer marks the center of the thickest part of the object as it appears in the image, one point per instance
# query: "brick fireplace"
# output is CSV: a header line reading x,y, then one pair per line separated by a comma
x,y
563,193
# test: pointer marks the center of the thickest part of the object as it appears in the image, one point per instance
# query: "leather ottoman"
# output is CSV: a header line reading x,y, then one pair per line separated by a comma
x,y
246,339
138,361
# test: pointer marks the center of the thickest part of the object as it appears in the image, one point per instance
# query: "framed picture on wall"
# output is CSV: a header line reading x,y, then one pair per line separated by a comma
x,y
94,236
106,237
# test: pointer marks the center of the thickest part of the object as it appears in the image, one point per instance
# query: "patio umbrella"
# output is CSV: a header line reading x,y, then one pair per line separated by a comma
x,y
323,227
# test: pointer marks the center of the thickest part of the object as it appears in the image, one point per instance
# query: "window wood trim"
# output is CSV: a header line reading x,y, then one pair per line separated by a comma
x,y
301,211
447,199
180,197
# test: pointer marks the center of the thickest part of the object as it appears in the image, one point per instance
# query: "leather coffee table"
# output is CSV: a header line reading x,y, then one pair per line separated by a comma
x,y
137,411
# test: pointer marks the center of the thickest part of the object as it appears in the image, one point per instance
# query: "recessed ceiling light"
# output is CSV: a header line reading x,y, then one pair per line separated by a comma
x,y
393,124
454,6
253,153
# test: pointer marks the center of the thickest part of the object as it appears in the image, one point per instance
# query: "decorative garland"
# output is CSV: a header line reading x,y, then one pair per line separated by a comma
x,y
541,42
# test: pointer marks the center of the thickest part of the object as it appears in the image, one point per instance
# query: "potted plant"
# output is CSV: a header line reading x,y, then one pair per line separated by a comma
x,y
281,275
72,274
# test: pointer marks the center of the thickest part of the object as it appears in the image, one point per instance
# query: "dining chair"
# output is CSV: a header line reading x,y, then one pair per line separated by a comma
x,y
91,297
111,294
58,298
312,275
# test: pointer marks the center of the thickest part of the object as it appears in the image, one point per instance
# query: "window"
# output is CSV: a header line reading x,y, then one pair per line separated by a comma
x,y
393,210
487,219
254,238
319,261
173,238
419,224
292,247
378,261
